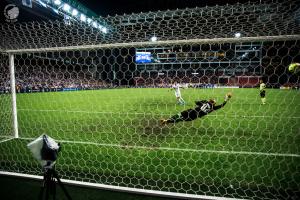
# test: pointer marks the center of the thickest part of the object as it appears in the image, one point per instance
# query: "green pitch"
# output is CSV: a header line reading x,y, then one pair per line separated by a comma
x,y
114,137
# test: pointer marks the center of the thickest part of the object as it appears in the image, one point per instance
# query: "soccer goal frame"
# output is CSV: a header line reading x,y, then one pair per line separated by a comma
x,y
244,150
11,54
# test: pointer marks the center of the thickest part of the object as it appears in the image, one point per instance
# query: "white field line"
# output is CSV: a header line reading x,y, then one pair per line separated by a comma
x,y
156,114
6,140
177,149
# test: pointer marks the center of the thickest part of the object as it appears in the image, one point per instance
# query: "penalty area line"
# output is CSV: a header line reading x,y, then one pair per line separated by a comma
x,y
157,114
177,149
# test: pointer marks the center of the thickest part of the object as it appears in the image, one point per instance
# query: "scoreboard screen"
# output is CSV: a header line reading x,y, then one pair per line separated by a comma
x,y
143,57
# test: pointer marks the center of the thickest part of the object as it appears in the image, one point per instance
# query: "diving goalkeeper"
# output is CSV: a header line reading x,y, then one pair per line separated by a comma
x,y
203,108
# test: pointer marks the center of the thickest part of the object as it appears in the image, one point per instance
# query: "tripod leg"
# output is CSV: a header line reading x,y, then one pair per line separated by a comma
x,y
48,185
62,186
53,188
42,190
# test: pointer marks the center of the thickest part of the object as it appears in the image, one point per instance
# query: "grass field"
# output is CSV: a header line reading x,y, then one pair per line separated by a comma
x,y
244,150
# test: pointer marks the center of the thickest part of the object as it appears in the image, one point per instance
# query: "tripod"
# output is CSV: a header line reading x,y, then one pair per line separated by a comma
x,y
50,185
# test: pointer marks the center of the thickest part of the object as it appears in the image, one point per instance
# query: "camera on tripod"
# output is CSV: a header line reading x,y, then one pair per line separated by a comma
x,y
45,150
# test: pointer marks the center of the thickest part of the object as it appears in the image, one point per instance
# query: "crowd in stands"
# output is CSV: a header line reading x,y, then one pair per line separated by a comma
x,y
202,79
30,81
43,85
43,81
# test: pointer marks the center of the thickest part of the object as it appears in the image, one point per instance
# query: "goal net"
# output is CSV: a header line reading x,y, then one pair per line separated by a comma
x,y
104,96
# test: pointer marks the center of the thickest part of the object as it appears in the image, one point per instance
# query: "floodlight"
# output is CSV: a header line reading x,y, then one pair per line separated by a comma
x,y
153,39
94,24
89,20
104,30
57,2
237,35
74,12
66,7
82,17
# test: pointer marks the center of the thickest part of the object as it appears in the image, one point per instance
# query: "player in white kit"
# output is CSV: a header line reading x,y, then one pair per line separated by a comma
x,y
176,88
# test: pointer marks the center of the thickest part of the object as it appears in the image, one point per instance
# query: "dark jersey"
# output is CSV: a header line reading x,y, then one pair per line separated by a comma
x,y
203,108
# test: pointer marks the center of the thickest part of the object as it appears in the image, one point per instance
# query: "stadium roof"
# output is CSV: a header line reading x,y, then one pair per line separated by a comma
x,y
265,19
104,8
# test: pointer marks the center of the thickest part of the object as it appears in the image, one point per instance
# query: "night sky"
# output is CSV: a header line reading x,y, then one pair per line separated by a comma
x,y
113,7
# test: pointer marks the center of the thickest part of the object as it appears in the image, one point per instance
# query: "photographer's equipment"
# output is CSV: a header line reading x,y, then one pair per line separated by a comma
x,y
50,185
45,150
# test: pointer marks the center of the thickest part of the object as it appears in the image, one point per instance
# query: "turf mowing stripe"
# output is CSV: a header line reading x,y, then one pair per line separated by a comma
x,y
131,113
177,149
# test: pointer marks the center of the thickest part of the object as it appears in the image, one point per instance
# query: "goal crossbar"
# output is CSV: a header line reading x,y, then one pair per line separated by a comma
x,y
159,43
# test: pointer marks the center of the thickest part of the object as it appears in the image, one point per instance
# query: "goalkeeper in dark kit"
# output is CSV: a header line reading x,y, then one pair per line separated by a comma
x,y
202,108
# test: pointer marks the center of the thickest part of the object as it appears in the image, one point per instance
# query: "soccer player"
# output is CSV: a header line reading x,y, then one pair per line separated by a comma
x,y
262,91
202,108
177,87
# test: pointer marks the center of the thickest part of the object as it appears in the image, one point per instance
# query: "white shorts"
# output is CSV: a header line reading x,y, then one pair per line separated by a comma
x,y
177,94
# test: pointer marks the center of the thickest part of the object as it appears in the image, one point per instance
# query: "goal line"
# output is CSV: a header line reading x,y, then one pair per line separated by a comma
x,y
175,149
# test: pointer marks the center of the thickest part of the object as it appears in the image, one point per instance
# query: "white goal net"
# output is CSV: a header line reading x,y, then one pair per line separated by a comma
x,y
117,99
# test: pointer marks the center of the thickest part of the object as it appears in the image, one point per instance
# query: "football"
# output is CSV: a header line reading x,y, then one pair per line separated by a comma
x,y
294,67
229,95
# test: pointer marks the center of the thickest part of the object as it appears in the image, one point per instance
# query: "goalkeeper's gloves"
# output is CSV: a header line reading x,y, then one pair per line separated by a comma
x,y
227,97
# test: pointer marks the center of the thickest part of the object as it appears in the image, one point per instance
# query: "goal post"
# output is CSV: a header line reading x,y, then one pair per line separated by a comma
x,y
13,93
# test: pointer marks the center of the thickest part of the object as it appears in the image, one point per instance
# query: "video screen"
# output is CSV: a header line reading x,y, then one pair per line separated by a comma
x,y
143,57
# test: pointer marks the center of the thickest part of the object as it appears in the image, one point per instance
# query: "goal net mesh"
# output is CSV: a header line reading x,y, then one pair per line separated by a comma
x,y
102,91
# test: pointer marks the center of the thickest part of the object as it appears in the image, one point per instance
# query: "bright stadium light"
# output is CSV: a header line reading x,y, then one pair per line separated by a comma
x,y
104,30
82,17
66,7
89,20
74,12
237,35
95,25
57,2
153,39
